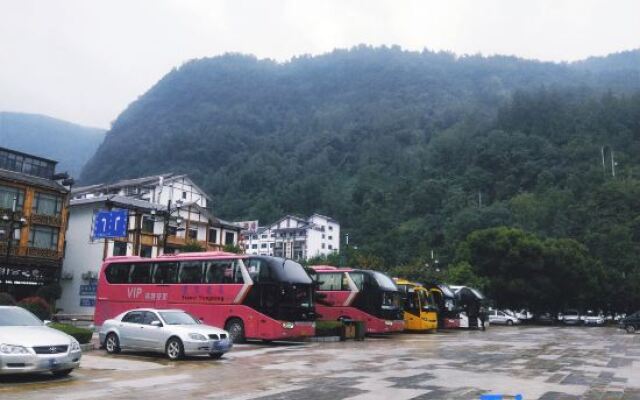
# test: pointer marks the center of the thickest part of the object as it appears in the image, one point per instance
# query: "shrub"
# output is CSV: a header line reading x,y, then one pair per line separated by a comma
x,y
329,328
37,305
7,300
82,335
50,293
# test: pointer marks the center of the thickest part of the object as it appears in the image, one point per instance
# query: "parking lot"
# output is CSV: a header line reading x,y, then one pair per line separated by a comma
x,y
537,362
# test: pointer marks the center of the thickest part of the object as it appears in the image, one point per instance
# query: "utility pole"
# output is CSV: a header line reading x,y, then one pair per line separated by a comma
x,y
604,168
613,165
479,199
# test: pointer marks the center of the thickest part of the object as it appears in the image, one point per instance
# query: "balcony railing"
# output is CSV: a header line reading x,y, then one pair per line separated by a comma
x,y
51,220
17,251
42,253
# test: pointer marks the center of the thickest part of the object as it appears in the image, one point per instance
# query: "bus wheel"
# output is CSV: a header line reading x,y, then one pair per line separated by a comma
x,y
112,344
235,327
174,349
630,329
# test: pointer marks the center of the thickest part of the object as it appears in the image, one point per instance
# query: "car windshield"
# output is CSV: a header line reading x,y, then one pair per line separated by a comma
x,y
384,281
18,317
178,318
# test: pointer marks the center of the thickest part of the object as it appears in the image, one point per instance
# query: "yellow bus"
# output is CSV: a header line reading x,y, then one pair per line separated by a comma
x,y
420,310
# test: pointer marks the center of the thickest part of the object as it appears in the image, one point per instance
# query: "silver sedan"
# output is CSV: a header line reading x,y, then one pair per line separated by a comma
x,y
172,332
27,345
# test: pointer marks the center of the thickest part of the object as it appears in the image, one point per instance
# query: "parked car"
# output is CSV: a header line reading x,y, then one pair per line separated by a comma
x,y
570,317
28,345
524,315
502,318
592,318
172,332
631,323
545,319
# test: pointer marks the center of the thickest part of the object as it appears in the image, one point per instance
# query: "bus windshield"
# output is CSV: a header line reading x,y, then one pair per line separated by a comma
x,y
295,273
384,281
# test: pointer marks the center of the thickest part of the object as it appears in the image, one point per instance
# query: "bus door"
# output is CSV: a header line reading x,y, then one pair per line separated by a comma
x,y
412,309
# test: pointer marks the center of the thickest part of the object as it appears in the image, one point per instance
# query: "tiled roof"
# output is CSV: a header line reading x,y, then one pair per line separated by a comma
x,y
19,177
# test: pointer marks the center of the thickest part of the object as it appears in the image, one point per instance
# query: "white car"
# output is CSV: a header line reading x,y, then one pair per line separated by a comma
x,y
27,345
172,332
570,317
592,318
502,318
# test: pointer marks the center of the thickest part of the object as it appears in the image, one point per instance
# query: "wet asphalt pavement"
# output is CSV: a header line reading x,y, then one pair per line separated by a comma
x,y
536,362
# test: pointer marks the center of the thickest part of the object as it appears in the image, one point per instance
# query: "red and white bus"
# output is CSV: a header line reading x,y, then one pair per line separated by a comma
x,y
263,298
360,295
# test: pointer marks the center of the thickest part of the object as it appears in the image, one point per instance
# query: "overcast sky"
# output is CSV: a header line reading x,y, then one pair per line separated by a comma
x,y
85,61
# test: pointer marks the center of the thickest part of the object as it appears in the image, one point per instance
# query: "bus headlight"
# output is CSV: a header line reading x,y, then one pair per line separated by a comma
x,y
388,323
288,325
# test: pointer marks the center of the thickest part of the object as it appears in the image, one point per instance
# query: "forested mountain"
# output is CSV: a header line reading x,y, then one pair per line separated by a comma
x,y
70,144
411,152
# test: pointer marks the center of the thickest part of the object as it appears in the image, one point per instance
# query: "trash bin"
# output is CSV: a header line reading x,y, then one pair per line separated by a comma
x,y
361,330
348,329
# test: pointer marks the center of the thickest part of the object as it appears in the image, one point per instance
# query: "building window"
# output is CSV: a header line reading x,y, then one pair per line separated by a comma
x,y
246,246
263,246
184,195
264,236
192,233
322,245
229,238
145,251
271,245
330,227
172,230
119,248
330,237
330,247
43,237
323,236
8,194
147,224
47,204
213,236
28,165
254,246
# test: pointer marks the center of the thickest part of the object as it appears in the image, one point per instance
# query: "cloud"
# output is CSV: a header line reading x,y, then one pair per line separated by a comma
x,y
85,61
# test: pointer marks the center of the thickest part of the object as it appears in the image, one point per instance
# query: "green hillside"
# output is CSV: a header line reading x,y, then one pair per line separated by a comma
x,y
70,144
411,152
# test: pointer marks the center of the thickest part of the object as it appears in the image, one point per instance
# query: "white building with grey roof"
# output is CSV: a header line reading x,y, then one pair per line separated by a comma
x,y
293,237
165,213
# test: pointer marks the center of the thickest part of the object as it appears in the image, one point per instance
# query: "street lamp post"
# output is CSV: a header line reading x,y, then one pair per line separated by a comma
x,y
16,221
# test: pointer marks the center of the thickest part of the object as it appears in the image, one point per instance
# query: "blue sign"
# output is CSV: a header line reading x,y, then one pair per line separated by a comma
x,y
110,224
87,302
88,290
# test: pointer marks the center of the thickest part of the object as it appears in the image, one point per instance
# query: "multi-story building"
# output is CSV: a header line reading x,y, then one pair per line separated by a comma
x,y
33,220
293,237
165,213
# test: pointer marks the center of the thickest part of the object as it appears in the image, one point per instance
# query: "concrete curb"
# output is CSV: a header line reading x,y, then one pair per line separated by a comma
x,y
324,339
88,347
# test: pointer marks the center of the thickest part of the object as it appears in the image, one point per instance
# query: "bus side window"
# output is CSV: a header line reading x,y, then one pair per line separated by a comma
x,y
166,272
118,273
140,273
191,272
219,272
237,273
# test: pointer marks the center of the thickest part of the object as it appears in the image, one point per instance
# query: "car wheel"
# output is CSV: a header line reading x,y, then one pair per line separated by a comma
x,y
235,327
509,322
216,356
630,329
112,344
61,373
174,349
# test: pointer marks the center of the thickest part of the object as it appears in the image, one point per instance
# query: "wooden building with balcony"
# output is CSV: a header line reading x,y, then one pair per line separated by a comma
x,y
33,222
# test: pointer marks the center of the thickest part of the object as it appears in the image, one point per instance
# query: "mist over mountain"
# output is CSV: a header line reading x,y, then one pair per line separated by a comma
x,y
69,144
410,151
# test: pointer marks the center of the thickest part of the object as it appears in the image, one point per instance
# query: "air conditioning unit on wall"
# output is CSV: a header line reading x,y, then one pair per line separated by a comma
x,y
66,276
89,275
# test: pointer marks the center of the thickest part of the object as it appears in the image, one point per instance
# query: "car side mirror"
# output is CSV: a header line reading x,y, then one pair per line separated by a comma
x,y
156,323
46,322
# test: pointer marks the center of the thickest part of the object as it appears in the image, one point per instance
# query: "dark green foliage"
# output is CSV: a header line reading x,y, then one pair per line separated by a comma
x,y
37,305
50,293
192,247
82,335
411,152
69,144
7,300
